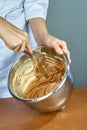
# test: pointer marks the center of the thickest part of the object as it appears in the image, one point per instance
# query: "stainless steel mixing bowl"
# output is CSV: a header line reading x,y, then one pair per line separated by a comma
x,y
56,99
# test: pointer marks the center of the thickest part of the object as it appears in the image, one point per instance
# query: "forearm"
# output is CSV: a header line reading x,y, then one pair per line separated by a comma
x,y
39,29
1,27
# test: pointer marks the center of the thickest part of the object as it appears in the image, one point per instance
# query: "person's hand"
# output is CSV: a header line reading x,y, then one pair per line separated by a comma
x,y
14,38
42,37
58,45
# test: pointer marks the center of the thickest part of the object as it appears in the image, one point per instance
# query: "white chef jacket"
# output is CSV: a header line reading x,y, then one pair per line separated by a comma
x,y
17,12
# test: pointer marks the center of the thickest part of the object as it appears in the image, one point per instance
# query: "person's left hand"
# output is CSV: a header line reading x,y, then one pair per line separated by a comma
x,y
58,45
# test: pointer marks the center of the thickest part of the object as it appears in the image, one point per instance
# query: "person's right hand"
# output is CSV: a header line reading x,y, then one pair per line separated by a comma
x,y
14,38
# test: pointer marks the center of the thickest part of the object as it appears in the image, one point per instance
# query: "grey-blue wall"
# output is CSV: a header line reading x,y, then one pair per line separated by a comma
x,y
67,19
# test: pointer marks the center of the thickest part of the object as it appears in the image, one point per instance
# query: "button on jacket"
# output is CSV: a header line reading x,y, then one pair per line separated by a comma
x,y
17,12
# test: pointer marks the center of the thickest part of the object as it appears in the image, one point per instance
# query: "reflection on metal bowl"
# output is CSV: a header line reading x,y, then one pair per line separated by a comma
x,y
52,101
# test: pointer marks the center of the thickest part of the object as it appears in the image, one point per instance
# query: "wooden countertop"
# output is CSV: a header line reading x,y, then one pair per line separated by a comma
x,y
14,115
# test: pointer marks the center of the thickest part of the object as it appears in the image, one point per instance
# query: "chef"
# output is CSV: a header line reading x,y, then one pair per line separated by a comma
x,y
22,25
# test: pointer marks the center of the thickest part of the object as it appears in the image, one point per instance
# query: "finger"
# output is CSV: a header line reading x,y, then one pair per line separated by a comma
x,y
58,49
16,48
63,46
61,49
27,43
28,46
20,47
67,54
54,44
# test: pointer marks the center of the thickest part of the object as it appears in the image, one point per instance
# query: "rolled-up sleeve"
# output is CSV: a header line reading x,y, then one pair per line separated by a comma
x,y
36,8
